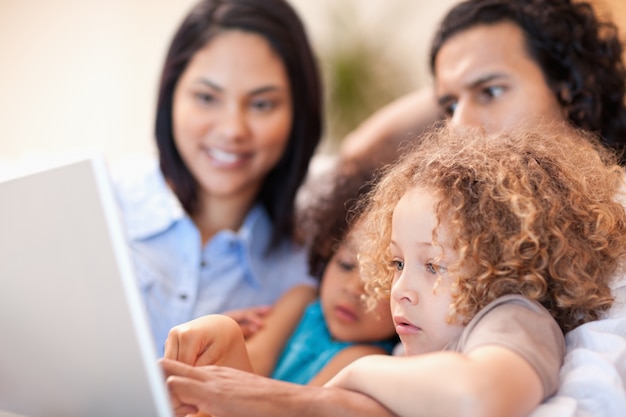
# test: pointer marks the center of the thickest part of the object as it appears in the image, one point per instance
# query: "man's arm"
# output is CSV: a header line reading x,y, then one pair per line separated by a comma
x,y
228,392
401,120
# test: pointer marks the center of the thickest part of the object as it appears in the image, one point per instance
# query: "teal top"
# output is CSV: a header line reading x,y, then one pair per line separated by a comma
x,y
311,347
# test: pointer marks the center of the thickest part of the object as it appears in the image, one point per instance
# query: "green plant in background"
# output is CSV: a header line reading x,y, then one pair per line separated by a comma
x,y
360,75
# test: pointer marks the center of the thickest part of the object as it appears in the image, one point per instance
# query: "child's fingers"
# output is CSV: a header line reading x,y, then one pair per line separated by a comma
x,y
175,368
171,348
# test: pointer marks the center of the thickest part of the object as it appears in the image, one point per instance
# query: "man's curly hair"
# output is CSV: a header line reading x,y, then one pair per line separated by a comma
x,y
579,54
535,213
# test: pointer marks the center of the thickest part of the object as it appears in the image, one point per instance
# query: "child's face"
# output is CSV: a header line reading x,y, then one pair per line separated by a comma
x,y
420,293
345,312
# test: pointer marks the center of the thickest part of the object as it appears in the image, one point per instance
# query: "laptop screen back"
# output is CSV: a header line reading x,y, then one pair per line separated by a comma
x,y
74,340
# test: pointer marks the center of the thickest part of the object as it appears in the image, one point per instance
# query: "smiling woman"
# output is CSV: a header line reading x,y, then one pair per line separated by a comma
x,y
232,115
238,119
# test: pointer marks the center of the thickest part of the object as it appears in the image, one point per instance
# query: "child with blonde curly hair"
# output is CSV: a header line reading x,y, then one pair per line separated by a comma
x,y
490,247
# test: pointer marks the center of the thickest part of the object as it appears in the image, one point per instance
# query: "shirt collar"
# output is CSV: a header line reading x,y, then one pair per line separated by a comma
x,y
151,207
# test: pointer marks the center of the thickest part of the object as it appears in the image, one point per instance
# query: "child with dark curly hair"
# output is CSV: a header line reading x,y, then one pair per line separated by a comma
x,y
307,337
490,247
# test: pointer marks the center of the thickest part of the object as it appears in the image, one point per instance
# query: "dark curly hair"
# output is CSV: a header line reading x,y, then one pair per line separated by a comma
x,y
579,54
534,213
326,220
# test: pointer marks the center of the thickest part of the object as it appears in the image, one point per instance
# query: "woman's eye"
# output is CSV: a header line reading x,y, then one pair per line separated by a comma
x,y
205,98
263,105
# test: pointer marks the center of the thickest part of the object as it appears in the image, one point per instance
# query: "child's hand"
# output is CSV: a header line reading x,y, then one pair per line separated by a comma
x,y
250,319
215,339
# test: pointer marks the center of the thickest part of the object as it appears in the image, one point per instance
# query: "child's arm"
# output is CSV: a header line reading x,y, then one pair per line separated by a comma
x,y
249,319
265,346
215,339
343,359
489,381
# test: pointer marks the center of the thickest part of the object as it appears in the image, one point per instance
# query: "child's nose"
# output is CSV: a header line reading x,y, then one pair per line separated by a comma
x,y
353,286
402,292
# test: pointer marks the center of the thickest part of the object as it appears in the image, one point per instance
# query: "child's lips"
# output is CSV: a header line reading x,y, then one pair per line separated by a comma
x,y
345,314
404,326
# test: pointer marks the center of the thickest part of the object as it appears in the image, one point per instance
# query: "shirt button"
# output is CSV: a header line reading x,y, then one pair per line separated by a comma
x,y
202,264
183,297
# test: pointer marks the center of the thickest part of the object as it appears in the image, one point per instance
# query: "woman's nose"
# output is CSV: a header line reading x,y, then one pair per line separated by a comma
x,y
232,125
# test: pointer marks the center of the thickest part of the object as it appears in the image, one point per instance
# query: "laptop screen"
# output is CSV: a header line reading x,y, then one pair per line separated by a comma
x,y
74,340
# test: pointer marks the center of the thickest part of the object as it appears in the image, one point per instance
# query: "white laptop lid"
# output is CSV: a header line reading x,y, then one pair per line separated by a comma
x,y
74,340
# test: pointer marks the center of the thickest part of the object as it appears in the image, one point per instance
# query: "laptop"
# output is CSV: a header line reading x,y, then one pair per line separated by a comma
x,y
74,338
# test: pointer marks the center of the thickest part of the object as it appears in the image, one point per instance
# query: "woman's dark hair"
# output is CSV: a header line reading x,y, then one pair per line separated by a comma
x,y
579,55
278,23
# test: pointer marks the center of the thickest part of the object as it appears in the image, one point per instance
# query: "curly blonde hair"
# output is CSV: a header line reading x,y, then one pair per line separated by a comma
x,y
534,213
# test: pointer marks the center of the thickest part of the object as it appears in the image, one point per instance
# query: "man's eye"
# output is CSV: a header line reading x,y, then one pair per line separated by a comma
x,y
492,92
449,109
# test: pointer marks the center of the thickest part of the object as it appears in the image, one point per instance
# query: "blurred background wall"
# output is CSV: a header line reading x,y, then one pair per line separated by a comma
x,y
82,74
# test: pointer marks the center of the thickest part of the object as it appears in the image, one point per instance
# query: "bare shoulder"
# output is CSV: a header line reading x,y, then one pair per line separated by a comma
x,y
298,294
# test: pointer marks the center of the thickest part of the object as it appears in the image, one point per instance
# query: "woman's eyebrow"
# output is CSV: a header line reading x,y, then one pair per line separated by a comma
x,y
259,90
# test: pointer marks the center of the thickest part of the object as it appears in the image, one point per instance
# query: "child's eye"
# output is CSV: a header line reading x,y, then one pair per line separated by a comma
x,y
397,265
346,266
434,268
